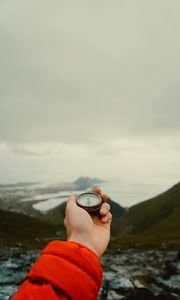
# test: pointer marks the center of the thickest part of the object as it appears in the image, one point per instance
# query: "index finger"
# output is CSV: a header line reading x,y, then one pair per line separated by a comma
x,y
97,190
105,197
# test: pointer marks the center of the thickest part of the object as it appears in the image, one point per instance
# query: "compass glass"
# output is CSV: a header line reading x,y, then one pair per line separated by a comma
x,y
89,199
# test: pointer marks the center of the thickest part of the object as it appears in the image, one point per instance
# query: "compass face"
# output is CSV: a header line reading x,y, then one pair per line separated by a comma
x,y
89,200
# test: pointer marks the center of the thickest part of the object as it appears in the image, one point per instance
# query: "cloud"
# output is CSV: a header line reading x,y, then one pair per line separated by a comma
x,y
32,150
89,87
88,73
27,149
112,147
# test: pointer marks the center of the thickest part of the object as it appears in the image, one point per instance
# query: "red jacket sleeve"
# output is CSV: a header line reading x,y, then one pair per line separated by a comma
x,y
65,270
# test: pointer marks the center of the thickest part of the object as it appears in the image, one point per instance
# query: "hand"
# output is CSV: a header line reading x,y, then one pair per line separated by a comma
x,y
93,232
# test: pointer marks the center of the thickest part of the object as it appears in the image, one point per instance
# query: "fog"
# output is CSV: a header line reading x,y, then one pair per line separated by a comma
x,y
89,88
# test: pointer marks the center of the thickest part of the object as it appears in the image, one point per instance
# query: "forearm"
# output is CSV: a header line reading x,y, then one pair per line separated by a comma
x,y
62,267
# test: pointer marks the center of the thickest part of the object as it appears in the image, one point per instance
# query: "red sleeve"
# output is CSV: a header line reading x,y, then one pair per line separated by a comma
x,y
64,270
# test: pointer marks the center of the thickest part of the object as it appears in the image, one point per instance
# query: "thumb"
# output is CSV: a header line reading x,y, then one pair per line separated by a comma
x,y
71,202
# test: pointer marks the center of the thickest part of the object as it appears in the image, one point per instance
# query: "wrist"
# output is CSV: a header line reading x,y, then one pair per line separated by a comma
x,y
83,241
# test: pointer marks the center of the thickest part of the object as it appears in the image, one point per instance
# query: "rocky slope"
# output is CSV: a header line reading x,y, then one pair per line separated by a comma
x,y
129,275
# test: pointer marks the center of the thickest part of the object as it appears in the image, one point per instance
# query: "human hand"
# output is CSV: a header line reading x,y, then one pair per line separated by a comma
x,y
92,231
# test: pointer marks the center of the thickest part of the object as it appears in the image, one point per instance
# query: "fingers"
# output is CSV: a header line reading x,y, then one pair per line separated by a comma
x,y
71,202
105,208
104,197
104,212
107,218
97,190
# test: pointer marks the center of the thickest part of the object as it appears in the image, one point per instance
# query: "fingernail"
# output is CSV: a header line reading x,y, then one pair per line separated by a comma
x,y
104,219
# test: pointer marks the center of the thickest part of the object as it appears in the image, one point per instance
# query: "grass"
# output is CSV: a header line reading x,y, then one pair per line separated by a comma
x,y
18,229
148,240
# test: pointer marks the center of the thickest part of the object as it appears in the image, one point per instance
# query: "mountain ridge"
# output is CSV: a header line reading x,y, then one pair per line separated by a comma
x,y
152,222
148,224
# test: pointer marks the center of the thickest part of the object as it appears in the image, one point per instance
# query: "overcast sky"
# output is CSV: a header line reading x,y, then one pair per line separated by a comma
x,y
89,88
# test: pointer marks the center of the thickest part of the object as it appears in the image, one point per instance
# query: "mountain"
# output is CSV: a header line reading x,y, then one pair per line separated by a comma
x,y
149,224
154,221
18,184
18,229
117,212
31,232
34,192
86,182
56,215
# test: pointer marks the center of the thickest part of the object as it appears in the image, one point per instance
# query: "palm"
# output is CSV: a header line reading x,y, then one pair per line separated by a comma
x,y
81,227
101,234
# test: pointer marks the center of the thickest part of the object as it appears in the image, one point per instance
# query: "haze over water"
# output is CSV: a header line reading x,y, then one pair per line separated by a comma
x,y
125,191
130,192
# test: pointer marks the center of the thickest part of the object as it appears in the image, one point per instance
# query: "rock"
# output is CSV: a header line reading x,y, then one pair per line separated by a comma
x,y
177,267
178,255
141,294
156,290
170,269
167,296
112,295
173,283
138,284
7,291
173,268
14,265
9,264
128,275
118,282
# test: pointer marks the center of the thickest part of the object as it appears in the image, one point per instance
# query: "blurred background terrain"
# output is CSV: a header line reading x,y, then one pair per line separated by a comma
x,y
143,250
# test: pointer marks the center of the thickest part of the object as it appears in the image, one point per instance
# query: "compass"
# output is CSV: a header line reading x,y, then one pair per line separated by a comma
x,y
90,201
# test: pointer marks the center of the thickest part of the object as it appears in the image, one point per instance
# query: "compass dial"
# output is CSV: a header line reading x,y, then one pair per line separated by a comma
x,y
89,201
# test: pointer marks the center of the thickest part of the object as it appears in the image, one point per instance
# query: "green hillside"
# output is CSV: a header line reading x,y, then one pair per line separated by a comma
x,y
153,222
149,224
56,215
18,229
